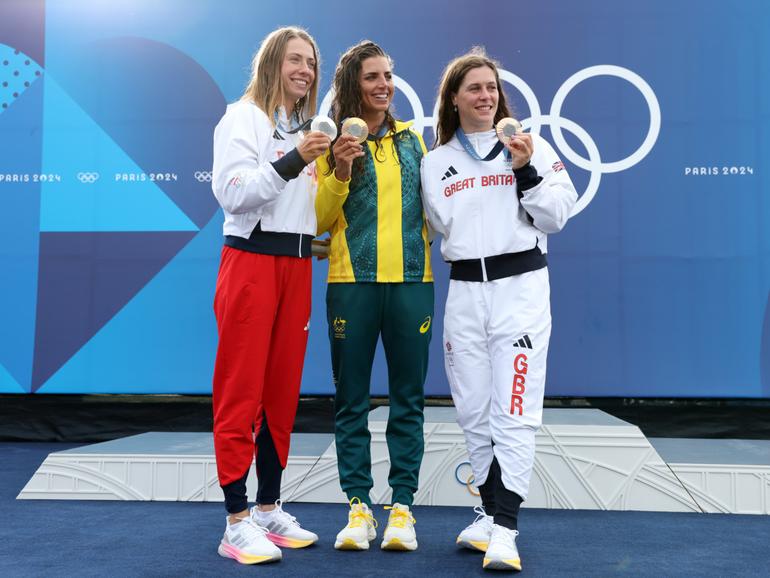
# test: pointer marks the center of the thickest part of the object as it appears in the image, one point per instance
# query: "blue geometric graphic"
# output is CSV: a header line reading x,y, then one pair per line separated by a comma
x,y
17,73
90,195
8,384
764,351
174,349
162,109
85,278
20,162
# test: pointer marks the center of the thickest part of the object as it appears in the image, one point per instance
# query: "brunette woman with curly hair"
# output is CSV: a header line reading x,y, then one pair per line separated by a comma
x,y
380,286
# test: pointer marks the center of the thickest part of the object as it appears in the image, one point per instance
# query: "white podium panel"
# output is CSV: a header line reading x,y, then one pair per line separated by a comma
x,y
585,459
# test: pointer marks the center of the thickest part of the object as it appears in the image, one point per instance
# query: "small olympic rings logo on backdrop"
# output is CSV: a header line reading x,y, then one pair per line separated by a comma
x,y
203,176
593,163
464,476
88,177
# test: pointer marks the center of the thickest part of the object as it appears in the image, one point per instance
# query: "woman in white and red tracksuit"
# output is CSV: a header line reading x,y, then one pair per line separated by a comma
x,y
264,179
494,205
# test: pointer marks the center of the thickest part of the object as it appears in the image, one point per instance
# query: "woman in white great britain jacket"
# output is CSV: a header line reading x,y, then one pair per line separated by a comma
x,y
494,206
264,179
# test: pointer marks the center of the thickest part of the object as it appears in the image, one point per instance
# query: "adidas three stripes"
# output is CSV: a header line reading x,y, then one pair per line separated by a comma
x,y
495,349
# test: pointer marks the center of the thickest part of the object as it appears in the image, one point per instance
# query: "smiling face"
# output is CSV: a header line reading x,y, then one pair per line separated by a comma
x,y
376,84
476,100
298,71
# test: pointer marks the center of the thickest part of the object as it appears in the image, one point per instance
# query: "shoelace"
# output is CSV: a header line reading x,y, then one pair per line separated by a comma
x,y
358,515
399,518
286,516
251,528
482,515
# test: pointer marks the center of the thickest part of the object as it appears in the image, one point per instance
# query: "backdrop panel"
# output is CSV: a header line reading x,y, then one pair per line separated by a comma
x,y
110,236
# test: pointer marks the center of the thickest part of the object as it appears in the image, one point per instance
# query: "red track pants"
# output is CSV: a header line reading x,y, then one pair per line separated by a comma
x,y
262,306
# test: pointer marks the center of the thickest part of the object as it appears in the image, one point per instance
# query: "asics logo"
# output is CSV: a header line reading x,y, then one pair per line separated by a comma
x,y
425,325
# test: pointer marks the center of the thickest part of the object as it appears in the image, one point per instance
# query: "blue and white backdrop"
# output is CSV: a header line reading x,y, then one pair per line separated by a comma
x,y
109,233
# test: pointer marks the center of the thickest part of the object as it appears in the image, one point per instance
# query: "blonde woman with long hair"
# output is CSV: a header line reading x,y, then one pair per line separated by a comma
x,y
264,180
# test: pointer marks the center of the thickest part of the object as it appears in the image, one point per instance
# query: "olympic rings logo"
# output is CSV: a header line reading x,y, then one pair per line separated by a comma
x,y
464,476
203,176
88,177
594,163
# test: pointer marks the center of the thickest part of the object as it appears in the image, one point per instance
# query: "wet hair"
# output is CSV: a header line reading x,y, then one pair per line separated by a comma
x,y
348,101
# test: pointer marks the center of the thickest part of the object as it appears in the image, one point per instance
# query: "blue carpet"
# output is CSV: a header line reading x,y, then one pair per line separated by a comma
x,y
79,538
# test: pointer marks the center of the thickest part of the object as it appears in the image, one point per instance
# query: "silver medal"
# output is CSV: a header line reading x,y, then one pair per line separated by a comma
x,y
325,125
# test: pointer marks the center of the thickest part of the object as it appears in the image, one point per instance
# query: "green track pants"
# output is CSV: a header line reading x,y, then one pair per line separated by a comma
x,y
358,314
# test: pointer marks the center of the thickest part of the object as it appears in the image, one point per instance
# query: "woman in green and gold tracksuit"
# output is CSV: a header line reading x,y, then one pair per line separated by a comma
x,y
380,285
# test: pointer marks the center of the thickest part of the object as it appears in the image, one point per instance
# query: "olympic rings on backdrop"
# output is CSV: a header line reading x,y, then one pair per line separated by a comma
x,y
89,178
593,163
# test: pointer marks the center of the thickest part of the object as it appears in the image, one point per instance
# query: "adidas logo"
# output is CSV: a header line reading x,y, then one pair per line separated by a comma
x,y
523,342
450,172
277,135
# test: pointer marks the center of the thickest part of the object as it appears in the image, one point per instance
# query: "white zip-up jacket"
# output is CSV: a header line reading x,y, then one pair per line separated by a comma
x,y
482,209
262,184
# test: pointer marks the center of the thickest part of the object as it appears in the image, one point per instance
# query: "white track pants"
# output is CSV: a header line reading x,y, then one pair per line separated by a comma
x,y
495,349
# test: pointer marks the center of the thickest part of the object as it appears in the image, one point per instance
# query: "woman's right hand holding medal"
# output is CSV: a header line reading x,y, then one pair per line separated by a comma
x,y
346,150
313,146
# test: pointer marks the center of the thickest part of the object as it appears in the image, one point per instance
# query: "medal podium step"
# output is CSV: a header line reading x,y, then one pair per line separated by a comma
x,y
585,459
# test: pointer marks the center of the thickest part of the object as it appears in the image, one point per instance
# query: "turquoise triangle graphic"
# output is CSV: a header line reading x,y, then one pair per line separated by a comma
x,y
8,384
20,148
81,191
164,340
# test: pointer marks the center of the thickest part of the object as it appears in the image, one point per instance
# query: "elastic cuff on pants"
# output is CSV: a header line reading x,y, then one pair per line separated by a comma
x,y
267,500
403,496
360,493
487,494
235,495
508,504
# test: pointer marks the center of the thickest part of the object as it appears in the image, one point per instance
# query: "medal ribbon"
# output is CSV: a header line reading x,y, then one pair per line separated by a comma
x,y
462,137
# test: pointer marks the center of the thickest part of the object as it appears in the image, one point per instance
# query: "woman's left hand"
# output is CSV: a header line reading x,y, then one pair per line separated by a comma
x,y
521,149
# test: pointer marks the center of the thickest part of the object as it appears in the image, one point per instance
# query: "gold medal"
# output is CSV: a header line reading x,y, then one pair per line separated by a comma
x,y
355,127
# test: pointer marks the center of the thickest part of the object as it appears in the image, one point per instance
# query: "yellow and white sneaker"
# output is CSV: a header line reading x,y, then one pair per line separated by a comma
x,y
360,529
399,534
502,553
476,536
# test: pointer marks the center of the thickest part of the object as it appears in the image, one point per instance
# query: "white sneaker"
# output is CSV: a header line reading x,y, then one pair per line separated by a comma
x,y
502,553
360,529
399,534
283,528
476,536
247,543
